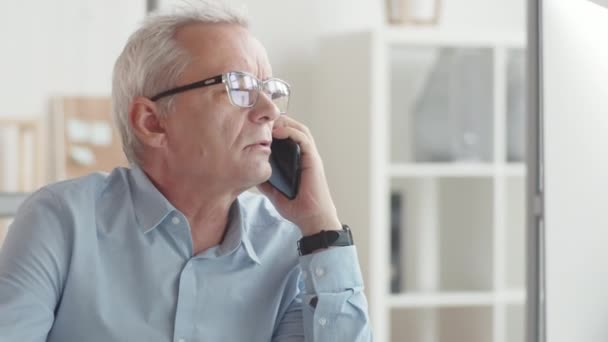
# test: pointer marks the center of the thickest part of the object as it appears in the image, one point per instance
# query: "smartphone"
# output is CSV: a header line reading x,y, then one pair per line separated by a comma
x,y
286,168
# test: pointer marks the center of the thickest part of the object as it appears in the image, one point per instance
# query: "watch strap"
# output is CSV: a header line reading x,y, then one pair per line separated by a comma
x,y
326,239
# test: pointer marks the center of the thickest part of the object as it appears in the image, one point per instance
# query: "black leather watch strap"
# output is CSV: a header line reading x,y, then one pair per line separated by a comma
x,y
325,239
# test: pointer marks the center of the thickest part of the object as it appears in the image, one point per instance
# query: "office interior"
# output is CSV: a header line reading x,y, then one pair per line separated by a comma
x,y
463,142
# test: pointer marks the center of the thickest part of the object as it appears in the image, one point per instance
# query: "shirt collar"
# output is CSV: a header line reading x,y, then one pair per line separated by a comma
x,y
237,232
152,207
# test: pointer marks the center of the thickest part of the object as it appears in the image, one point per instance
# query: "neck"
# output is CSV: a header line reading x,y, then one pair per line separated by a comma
x,y
206,205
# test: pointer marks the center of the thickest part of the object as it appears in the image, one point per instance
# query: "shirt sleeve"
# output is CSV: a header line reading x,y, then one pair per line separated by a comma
x,y
331,305
33,262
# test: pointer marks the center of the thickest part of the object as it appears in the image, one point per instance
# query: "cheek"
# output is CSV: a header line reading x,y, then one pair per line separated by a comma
x,y
215,142
213,134
231,131
187,141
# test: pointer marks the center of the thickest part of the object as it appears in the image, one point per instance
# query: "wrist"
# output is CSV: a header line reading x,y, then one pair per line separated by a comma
x,y
324,240
317,224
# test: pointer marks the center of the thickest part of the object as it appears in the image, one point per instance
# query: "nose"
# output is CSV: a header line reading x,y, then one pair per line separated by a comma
x,y
264,110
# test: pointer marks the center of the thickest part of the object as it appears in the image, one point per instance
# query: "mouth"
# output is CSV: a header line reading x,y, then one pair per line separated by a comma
x,y
265,143
261,144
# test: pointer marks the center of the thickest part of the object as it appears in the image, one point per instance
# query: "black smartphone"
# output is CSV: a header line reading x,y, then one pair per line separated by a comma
x,y
286,168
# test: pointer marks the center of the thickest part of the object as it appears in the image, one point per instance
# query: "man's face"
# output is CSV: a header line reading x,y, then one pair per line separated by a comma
x,y
209,139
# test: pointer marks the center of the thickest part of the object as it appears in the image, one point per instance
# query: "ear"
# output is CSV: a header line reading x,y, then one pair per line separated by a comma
x,y
147,124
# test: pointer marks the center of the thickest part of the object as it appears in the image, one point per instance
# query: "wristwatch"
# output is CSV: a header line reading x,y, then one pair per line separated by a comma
x,y
325,239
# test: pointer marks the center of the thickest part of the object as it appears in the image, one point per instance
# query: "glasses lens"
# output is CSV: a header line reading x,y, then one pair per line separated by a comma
x,y
278,91
242,89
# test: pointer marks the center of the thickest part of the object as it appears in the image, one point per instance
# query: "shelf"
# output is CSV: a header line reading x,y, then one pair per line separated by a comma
x,y
442,167
516,323
454,169
441,240
436,36
515,170
442,324
514,261
441,170
456,299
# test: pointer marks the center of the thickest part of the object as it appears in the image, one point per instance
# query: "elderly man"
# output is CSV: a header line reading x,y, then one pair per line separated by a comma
x,y
174,248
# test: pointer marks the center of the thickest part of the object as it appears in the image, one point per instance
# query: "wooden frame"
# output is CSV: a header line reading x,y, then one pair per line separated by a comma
x,y
397,13
30,167
27,128
86,112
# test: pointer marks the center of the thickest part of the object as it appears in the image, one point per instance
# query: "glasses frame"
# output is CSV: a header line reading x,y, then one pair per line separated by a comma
x,y
223,78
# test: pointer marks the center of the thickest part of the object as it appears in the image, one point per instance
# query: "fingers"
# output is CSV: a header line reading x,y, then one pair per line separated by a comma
x,y
296,135
286,121
287,127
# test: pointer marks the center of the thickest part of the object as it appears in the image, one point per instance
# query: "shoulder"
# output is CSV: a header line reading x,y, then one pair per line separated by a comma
x,y
83,190
71,197
90,184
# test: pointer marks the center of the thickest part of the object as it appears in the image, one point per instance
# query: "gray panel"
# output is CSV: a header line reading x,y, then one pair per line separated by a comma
x,y
10,202
601,2
535,311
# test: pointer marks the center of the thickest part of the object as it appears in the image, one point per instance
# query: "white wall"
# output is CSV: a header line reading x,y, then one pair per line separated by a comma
x,y
61,47
69,46
576,140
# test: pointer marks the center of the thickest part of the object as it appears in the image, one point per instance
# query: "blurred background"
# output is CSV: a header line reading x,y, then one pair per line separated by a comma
x,y
417,107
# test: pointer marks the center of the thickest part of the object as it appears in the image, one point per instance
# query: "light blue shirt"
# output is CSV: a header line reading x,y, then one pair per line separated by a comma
x,y
108,258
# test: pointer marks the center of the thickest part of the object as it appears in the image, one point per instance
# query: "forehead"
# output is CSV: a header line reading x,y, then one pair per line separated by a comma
x,y
218,48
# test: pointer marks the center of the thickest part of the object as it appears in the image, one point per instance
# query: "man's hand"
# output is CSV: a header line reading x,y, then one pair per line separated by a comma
x,y
313,209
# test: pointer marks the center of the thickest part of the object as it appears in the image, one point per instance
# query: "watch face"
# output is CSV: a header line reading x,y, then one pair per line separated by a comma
x,y
348,233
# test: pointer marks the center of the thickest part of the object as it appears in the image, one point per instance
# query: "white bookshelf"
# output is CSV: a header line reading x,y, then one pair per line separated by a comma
x,y
462,262
397,170
430,36
456,299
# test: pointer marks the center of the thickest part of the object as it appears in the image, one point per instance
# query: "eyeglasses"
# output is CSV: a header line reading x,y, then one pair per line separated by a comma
x,y
243,89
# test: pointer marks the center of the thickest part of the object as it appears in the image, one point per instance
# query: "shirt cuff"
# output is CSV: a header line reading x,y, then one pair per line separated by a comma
x,y
333,270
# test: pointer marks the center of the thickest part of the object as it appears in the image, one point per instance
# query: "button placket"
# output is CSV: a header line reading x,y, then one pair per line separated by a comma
x,y
185,302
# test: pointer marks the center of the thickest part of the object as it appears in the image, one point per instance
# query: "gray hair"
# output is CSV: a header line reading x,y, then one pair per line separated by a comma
x,y
152,61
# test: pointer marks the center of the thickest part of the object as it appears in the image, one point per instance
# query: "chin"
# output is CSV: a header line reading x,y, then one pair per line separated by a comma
x,y
258,174
266,173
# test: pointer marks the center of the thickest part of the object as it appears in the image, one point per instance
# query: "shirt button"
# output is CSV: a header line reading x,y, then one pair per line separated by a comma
x,y
181,340
176,220
319,272
322,321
